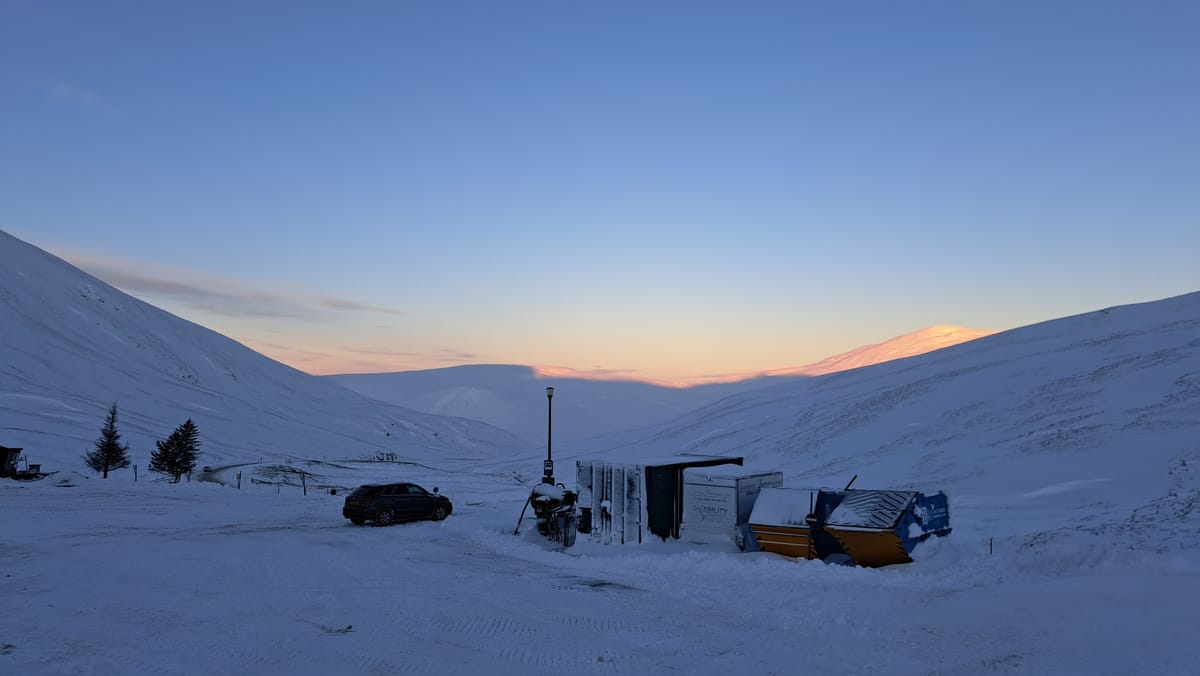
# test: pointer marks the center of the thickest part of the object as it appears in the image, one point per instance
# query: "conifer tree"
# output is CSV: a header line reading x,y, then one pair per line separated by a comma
x,y
110,453
176,455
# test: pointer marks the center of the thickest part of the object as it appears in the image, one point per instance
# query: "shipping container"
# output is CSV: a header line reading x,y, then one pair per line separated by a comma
x,y
622,503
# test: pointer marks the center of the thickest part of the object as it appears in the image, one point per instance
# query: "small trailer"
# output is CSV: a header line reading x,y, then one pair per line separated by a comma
x,y
717,502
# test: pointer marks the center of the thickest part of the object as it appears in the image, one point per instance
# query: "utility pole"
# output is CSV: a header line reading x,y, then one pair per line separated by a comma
x,y
548,467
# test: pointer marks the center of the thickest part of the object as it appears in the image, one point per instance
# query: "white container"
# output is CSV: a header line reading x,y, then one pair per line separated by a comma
x,y
718,500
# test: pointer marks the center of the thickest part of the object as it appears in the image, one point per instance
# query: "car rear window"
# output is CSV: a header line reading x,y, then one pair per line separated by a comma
x,y
364,491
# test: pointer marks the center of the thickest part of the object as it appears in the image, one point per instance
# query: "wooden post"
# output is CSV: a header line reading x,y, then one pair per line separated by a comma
x,y
135,474
989,546
304,483
239,478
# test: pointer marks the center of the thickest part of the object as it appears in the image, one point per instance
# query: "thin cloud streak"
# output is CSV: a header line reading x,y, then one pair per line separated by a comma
x,y
230,298
454,356
294,353
199,296
380,353
340,359
345,304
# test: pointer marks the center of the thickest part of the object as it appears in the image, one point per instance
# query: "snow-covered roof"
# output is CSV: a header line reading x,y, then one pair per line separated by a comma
x,y
677,459
726,472
782,506
870,509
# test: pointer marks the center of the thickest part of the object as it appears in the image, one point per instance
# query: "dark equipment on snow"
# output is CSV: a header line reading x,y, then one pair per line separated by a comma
x,y
554,507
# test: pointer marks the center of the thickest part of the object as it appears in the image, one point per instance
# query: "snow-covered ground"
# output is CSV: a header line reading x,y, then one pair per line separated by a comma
x,y
1070,451
117,577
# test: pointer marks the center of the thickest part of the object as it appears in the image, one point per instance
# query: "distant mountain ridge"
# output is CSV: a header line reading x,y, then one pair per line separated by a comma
x,y
585,407
514,398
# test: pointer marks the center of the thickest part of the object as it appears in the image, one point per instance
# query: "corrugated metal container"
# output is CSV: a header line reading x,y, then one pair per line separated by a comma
x,y
610,501
621,503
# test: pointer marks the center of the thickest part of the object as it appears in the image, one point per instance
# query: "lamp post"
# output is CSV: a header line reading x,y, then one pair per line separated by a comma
x,y
548,466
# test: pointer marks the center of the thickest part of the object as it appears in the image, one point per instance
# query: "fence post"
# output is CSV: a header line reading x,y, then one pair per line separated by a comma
x,y
135,474
304,483
239,478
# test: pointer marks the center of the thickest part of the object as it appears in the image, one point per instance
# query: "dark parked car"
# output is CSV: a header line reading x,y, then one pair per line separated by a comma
x,y
387,503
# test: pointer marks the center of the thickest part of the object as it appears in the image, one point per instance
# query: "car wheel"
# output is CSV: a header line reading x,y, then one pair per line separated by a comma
x,y
384,517
439,513
357,521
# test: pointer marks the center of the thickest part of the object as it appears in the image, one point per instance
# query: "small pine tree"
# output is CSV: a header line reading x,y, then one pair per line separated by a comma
x,y
110,453
177,454
190,451
162,460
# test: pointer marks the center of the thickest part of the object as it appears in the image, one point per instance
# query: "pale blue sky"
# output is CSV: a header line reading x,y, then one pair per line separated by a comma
x,y
666,189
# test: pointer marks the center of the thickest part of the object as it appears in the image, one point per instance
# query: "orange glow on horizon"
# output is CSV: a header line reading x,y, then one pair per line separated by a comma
x,y
318,360
565,372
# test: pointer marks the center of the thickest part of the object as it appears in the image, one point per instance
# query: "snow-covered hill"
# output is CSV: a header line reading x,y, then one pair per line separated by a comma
x,y
72,345
514,398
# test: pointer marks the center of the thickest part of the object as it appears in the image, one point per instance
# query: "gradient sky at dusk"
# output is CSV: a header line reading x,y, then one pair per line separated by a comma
x,y
661,190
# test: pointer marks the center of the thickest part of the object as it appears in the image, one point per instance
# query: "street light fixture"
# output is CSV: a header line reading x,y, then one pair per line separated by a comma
x,y
548,467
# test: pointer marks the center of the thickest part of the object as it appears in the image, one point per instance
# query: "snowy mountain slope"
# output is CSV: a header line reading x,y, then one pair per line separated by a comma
x,y
72,345
1095,416
909,345
512,397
